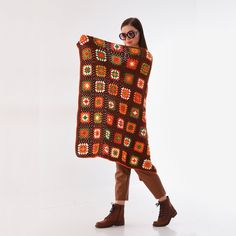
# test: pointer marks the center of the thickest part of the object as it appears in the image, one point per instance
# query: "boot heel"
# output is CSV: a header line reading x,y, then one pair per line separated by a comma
x,y
174,214
119,223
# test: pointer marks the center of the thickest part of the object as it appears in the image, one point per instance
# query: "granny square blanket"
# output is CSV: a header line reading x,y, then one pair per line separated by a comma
x,y
111,116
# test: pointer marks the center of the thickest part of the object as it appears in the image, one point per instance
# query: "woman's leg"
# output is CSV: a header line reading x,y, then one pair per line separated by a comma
x,y
154,184
122,177
116,215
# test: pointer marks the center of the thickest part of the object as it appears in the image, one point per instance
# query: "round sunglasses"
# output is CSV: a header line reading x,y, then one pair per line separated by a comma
x,y
131,34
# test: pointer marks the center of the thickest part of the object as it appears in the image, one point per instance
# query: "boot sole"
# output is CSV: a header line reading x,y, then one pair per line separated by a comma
x,y
107,226
119,224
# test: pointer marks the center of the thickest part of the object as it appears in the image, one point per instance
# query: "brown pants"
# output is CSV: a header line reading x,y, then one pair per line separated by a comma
x,y
122,177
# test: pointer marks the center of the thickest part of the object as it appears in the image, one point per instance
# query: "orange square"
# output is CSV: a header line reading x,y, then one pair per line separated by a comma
x,y
137,97
138,146
124,155
110,119
130,127
123,108
95,148
99,102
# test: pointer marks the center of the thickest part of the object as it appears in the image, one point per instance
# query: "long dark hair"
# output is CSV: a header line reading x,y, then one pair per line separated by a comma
x,y
135,22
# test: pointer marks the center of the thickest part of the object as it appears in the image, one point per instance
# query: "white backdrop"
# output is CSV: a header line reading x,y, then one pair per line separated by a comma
x,y
45,189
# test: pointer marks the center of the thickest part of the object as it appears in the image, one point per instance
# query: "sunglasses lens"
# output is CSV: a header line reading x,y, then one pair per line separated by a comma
x,y
130,34
122,36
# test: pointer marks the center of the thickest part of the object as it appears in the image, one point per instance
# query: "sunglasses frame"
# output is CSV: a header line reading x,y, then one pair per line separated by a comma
x,y
127,35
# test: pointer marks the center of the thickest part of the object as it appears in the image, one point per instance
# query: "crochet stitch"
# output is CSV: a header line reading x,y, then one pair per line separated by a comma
x,y
111,116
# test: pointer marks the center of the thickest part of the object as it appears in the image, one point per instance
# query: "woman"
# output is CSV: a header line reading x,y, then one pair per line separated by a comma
x,y
132,35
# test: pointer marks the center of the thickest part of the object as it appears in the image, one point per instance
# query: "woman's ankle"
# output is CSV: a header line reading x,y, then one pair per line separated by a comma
x,y
163,198
120,202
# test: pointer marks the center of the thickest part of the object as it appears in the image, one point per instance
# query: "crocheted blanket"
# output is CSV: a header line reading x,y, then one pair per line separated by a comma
x,y
111,116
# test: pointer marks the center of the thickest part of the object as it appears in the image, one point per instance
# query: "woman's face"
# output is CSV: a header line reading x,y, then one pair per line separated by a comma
x,y
131,42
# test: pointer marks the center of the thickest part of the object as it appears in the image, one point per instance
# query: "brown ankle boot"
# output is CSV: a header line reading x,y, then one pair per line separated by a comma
x,y
167,211
115,217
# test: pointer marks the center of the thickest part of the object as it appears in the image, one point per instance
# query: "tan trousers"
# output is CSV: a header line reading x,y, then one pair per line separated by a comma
x,y
122,177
